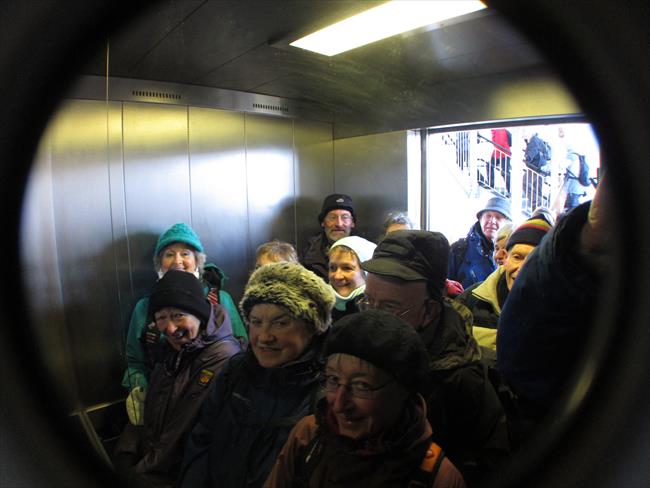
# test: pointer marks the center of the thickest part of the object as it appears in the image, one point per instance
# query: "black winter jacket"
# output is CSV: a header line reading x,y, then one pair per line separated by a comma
x,y
150,455
315,258
463,407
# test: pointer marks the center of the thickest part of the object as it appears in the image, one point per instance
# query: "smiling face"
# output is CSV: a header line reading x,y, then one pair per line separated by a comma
x,y
178,256
491,222
276,336
360,418
178,326
345,274
337,224
517,256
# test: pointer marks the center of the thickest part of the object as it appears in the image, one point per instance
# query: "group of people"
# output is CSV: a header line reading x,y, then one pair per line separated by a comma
x,y
357,360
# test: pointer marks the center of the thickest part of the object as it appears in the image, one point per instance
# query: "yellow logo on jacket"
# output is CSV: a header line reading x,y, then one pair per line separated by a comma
x,y
205,377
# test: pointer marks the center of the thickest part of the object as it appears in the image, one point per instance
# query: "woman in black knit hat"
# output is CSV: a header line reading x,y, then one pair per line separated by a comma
x,y
266,390
198,342
371,427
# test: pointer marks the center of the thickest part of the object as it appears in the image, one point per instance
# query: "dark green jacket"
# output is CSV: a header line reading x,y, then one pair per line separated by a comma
x,y
463,407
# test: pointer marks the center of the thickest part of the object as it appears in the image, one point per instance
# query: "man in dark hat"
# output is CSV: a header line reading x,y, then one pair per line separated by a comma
x,y
471,258
198,342
337,220
406,277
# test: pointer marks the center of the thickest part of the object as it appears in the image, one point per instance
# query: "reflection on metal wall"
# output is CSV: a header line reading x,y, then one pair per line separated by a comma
x,y
372,169
111,177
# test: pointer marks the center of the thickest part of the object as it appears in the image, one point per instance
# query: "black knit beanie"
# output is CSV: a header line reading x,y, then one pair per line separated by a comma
x,y
181,290
385,341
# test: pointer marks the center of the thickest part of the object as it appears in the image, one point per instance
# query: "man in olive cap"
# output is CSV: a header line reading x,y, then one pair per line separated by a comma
x,y
337,220
406,277
471,258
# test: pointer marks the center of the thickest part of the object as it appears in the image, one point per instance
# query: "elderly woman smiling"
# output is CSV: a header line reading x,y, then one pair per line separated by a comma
x,y
179,249
345,274
371,427
266,390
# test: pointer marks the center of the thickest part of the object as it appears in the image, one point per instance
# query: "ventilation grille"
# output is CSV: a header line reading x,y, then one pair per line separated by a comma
x,y
276,108
155,94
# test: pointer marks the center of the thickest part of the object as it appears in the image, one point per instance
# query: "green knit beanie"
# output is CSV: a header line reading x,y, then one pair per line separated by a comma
x,y
178,233
304,294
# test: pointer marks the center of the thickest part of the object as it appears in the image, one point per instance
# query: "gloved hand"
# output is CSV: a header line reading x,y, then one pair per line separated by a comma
x,y
453,288
135,405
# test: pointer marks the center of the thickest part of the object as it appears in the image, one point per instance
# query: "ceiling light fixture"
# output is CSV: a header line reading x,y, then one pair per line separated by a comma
x,y
384,21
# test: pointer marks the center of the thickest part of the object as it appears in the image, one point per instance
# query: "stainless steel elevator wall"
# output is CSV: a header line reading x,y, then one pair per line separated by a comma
x,y
110,177
373,170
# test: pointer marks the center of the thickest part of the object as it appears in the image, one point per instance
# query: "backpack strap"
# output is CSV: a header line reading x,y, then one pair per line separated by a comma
x,y
425,475
307,462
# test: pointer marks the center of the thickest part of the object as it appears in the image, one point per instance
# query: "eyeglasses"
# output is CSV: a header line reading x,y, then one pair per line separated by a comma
x,y
176,318
358,389
364,304
335,218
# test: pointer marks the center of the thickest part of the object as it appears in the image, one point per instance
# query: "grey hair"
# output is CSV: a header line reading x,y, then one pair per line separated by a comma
x,y
504,231
200,258
397,218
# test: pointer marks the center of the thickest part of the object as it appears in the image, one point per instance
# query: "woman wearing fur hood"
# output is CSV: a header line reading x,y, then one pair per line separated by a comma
x,y
266,390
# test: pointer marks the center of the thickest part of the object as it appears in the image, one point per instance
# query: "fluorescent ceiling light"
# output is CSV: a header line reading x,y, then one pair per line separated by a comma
x,y
384,21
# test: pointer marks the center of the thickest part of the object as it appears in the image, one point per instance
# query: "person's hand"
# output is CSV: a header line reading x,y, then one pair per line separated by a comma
x,y
135,405
453,288
596,239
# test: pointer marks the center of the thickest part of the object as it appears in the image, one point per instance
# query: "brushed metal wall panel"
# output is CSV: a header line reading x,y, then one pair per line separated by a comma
x,y
156,180
82,216
314,162
372,170
269,156
39,261
218,180
121,268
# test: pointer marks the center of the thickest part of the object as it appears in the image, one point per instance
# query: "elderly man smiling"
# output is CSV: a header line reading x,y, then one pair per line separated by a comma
x,y
470,258
337,220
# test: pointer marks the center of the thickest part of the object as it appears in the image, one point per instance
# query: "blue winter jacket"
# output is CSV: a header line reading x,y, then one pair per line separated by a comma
x,y
470,258
247,419
547,316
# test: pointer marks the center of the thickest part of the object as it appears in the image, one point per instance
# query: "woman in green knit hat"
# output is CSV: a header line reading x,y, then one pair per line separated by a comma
x,y
178,248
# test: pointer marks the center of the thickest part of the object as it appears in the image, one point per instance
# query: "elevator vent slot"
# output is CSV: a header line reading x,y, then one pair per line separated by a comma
x,y
155,94
276,108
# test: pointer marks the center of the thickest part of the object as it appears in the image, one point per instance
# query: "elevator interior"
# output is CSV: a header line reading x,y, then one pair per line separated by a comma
x,y
199,112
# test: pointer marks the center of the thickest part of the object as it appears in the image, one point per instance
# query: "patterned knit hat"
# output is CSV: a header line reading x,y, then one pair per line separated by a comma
x,y
304,294
178,233
530,232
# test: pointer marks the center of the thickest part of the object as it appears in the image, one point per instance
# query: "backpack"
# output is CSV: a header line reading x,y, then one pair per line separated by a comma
x,y
583,175
537,155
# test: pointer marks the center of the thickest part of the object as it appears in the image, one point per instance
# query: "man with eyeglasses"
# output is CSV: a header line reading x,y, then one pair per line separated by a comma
x,y
198,342
406,277
337,220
